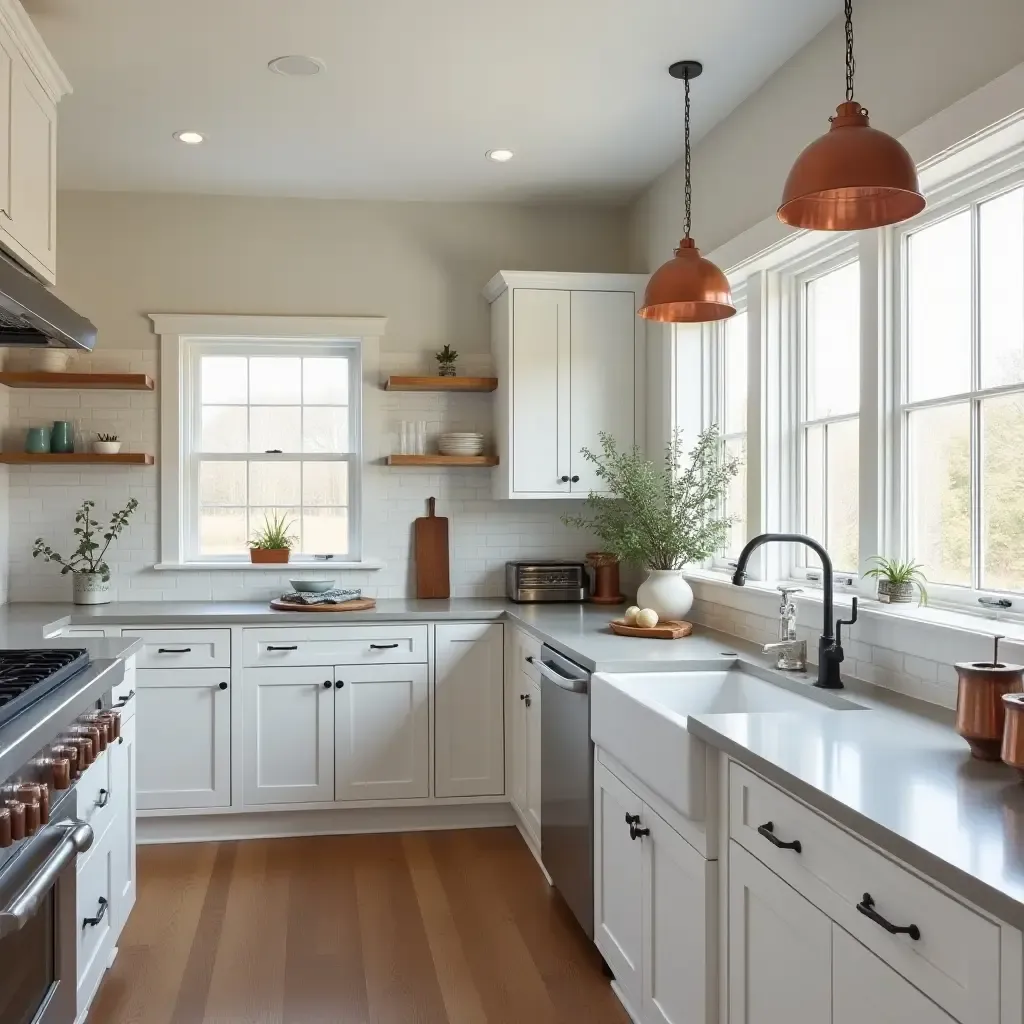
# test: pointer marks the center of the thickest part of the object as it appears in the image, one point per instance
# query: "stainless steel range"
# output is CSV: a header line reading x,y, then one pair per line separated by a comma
x,y
55,719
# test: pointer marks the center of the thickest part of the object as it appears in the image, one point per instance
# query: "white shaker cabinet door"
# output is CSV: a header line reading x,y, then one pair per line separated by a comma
x,y
122,786
539,401
679,944
288,736
183,730
618,884
382,732
602,378
779,948
865,988
522,696
469,743
533,734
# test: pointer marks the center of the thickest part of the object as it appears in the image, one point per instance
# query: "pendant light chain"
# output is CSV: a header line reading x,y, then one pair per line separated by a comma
x,y
851,64
687,192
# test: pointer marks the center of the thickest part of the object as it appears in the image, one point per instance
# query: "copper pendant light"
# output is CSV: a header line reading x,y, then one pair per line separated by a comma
x,y
853,177
688,289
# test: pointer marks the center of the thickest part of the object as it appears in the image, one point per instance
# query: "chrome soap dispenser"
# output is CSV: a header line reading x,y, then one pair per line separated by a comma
x,y
791,653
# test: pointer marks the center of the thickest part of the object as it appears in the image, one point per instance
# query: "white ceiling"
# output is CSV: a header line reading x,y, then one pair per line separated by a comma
x,y
414,91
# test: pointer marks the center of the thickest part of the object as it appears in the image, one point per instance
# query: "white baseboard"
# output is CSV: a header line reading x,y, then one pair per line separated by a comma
x,y
327,822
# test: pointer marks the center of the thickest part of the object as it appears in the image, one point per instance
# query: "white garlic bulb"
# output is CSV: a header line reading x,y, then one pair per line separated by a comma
x,y
647,618
631,613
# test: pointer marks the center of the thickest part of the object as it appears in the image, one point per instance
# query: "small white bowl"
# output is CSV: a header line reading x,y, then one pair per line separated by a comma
x,y
106,447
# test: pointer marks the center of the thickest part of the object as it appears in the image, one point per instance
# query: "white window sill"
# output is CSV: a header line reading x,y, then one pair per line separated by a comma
x,y
985,624
366,564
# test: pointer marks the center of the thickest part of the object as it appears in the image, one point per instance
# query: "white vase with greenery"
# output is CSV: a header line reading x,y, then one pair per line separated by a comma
x,y
661,516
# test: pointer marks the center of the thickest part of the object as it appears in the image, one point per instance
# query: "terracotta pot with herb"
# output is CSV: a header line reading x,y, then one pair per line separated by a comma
x,y
273,543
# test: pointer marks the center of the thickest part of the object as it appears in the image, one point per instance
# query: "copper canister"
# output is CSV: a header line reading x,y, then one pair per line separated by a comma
x,y
1013,731
980,711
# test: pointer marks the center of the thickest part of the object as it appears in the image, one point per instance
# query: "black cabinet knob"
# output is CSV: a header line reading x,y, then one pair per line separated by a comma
x,y
632,819
564,479
222,686
327,684
339,684
575,479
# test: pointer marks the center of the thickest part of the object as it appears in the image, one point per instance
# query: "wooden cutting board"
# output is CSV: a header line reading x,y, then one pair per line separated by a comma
x,y
430,540
357,604
667,629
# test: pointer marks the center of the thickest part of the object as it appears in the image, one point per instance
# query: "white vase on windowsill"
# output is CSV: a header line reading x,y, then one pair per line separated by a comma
x,y
666,592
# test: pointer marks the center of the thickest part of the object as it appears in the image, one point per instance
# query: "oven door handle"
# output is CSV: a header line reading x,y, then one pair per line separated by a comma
x,y
76,838
564,682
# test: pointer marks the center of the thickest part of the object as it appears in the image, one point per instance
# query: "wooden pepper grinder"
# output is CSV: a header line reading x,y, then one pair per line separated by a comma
x,y
606,577
980,712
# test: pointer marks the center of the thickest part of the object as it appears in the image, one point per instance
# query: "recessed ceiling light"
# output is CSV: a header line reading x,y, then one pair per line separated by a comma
x,y
296,65
500,156
189,138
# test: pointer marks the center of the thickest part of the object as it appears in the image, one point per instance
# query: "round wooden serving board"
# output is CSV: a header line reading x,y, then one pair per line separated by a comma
x,y
667,629
360,604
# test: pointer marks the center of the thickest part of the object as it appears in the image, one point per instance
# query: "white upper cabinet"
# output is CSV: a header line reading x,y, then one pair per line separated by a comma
x,y
31,85
570,358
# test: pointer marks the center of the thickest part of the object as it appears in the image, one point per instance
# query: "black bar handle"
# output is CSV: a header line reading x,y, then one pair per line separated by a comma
x,y
382,647
632,819
293,647
867,908
91,922
530,659
124,700
174,650
104,798
768,831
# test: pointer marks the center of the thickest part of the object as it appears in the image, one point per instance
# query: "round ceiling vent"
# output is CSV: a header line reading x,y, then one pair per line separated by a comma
x,y
296,65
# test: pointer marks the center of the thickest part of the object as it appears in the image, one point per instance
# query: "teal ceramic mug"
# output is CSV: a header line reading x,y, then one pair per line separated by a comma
x,y
62,437
37,440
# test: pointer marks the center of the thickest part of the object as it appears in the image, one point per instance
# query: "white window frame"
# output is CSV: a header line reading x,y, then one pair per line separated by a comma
x,y
182,338
965,193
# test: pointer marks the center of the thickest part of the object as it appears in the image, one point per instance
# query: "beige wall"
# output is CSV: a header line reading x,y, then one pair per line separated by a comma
x,y
914,58
123,255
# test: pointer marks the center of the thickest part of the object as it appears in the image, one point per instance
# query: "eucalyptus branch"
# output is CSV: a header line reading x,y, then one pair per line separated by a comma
x,y
84,559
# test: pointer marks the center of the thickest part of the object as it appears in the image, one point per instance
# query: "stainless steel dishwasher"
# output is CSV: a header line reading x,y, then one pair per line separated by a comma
x,y
567,783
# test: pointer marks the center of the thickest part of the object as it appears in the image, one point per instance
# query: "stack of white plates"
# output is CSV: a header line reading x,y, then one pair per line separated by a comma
x,y
465,443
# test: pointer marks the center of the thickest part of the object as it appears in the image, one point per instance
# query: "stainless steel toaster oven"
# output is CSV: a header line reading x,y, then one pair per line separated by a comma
x,y
546,581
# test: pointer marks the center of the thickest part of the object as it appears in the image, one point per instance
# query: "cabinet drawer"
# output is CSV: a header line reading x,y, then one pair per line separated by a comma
x,y
182,648
95,802
94,917
123,695
955,960
525,647
336,645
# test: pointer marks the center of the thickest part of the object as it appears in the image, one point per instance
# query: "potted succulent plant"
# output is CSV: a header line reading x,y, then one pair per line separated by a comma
x,y
446,361
106,444
661,517
89,572
273,542
897,580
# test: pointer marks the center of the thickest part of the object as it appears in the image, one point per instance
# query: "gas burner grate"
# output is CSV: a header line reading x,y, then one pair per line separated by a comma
x,y
26,676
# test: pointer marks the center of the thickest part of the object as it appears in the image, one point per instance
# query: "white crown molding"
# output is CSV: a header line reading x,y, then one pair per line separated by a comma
x,y
34,49
505,279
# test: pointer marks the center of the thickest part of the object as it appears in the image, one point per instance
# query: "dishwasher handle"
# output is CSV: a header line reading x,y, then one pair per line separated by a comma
x,y
573,685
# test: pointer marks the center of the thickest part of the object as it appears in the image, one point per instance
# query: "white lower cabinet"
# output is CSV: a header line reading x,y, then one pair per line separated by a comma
x,y
96,928
469,744
651,918
533,719
184,737
779,949
525,711
288,735
122,789
382,732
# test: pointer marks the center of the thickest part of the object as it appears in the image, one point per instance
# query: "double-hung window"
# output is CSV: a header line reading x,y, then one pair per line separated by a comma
x,y
827,445
961,414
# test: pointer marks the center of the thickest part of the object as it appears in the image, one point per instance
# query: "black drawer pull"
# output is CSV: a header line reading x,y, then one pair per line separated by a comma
x,y
867,908
293,647
382,647
104,798
530,659
124,700
101,912
174,650
768,831
222,686
632,819
636,832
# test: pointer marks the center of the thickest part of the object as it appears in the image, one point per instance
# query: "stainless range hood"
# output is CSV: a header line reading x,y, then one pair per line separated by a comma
x,y
31,315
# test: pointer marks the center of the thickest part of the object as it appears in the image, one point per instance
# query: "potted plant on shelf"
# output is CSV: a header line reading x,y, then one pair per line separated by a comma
x,y
897,580
273,543
661,517
446,361
106,444
89,571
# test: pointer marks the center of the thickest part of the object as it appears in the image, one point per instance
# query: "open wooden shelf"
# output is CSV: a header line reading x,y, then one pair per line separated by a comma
x,y
77,381
443,460
75,458
440,383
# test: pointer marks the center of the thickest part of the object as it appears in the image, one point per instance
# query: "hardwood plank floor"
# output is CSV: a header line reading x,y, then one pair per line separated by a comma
x,y
420,928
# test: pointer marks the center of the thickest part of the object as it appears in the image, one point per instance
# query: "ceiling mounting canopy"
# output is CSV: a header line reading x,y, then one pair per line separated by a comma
x,y
854,177
688,289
